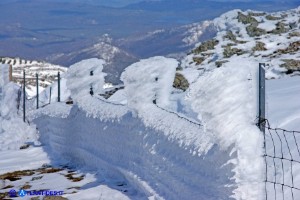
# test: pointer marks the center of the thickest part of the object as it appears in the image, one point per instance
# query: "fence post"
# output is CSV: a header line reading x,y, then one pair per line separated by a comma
x,y
262,95
58,85
24,97
50,95
37,91
10,73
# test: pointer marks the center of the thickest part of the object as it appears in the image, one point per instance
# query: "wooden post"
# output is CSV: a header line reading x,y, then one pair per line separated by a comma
x,y
10,73
262,95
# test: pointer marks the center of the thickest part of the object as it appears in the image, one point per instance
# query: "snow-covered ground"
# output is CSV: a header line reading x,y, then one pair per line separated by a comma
x,y
182,147
283,111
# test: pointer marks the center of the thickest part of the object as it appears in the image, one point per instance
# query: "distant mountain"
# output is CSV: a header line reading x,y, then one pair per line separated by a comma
x,y
168,41
116,58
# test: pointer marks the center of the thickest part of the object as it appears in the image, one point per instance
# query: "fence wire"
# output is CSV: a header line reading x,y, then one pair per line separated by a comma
x,y
282,163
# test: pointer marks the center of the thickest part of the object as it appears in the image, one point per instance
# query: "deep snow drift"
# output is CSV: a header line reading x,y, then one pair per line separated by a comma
x,y
14,133
162,138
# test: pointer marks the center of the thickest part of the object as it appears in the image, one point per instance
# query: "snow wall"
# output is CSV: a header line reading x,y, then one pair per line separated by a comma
x,y
211,150
126,147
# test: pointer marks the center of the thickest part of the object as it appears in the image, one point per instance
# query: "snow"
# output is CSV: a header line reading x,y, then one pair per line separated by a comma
x,y
283,111
99,192
15,132
195,31
152,141
225,101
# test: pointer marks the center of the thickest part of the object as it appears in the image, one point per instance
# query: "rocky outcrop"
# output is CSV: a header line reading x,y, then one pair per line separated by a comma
x,y
198,60
254,31
180,82
257,14
220,63
294,34
246,19
291,49
260,46
273,18
291,65
280,28
228,51
205,46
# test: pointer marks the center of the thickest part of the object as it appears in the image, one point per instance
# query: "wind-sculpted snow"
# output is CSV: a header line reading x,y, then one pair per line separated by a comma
x,y
154,151
14,131
84,75
145,90
225,100
214,156
139,157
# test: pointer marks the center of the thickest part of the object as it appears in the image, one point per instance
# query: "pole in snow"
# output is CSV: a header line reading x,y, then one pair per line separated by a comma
x,y
24,97
262,96
58,84
37,91
50,95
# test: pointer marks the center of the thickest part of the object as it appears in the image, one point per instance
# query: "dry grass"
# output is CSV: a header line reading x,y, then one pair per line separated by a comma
x,y
74,179
13,176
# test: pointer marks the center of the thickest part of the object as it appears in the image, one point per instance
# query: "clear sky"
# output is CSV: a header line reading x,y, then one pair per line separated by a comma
x,y
120,3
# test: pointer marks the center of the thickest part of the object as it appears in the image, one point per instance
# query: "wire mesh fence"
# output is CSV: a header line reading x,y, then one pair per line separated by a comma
x,y
282,163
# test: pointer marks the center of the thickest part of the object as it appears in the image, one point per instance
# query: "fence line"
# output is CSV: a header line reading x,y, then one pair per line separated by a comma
x,y
279,135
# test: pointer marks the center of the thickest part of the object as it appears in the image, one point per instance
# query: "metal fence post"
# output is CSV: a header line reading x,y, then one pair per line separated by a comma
x,y
58,84
262,95
50,95
24,97
37,91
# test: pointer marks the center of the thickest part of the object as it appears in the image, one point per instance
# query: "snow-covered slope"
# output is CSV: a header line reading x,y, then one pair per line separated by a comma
x,y
273,38
47,73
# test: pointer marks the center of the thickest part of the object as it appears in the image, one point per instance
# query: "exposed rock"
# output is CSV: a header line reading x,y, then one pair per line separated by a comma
x,y
294,34
292,48
270,17
229,35
180,82
207,45
291,65
220,63
228,51
13,176
25,146
255,14
254,31
260,46
198,60
246,19
280,28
